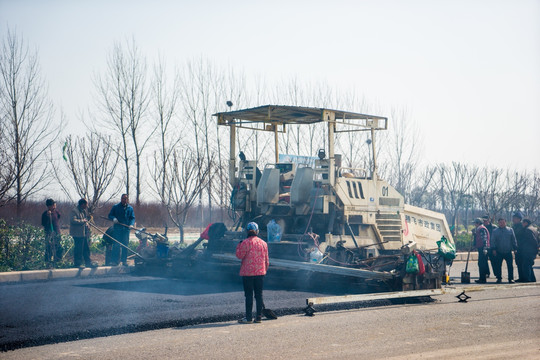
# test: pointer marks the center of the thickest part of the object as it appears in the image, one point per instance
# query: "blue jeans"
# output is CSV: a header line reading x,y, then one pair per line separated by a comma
x,y
121,235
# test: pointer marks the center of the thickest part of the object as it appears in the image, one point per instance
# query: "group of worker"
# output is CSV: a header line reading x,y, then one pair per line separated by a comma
x,y
81,224
496,244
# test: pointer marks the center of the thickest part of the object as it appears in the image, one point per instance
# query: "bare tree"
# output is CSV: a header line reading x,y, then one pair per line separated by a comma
x,y
123,97
7,174
492,189
518,183
165,101
27,120
404,149
203,95
184,185
91,162
457,181
422,193
531,199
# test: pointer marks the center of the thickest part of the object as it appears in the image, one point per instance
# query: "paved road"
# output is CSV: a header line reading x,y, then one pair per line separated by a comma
x,y
62,310
494,324
45,312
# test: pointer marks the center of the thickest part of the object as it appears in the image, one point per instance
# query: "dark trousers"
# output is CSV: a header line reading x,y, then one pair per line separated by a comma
x,y
53,249
483,266
497,266
519,265
493,260
81,251
108,254
253,285
525,266
123,237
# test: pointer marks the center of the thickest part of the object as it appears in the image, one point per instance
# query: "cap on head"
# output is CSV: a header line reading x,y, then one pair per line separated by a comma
x,y
518,214
49,202
252,226
485,217
478,221
527,221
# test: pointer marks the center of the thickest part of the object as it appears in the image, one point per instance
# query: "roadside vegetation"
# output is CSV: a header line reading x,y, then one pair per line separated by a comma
x,y
23,247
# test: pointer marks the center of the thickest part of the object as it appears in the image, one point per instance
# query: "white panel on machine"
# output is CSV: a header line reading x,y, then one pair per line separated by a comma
x,y
302,185
268,189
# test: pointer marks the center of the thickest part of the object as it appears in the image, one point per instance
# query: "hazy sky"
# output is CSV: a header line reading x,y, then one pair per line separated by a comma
x,y
468,72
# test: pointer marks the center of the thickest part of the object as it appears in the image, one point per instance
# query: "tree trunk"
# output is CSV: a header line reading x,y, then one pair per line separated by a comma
x,y
181,231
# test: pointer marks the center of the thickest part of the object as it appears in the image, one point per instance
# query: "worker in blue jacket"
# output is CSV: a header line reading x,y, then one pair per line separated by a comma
x,y
123,217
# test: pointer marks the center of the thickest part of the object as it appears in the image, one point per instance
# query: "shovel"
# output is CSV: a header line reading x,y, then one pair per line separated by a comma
x,y
465,275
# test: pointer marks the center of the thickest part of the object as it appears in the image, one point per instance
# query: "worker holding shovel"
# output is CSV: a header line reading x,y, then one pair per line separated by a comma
x,y
123,217
79,229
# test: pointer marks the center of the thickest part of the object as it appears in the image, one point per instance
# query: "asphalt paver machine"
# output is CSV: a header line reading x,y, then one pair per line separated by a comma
x,y
324,223
327,214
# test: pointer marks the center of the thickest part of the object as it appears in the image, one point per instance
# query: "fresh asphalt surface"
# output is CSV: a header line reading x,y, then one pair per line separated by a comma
x,y
44,312
493,324
61,310
37,313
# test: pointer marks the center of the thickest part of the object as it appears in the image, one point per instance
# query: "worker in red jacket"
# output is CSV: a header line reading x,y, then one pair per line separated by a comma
x,y
253,252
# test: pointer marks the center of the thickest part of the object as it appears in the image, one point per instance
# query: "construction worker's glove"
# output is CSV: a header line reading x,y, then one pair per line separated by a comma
x,y
115,220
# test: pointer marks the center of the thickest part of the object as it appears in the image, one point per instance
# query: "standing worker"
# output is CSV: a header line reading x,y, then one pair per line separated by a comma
x,y
503,243
123,217
517,226
253,252
489,226
80,231
481,242
50,220
528,249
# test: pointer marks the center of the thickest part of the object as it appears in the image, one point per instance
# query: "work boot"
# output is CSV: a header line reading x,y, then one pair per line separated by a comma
x,y
499,281
480,281
245,321
258,320
511,281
